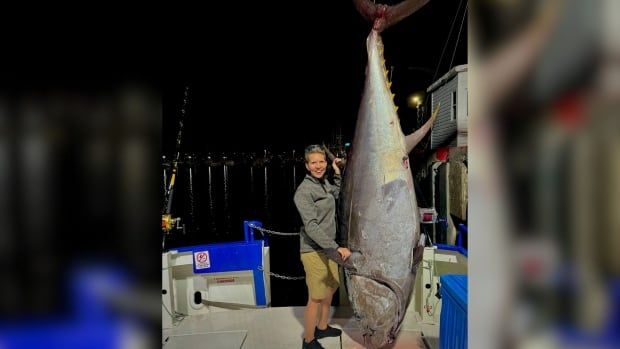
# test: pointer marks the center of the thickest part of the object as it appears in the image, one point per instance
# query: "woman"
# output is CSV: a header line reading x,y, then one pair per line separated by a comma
x,y
315,200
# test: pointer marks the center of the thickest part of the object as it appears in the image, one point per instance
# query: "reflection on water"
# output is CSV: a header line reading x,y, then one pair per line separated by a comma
x,y
266,196
190,192
211,214
227,215
214,200
251,181
165,183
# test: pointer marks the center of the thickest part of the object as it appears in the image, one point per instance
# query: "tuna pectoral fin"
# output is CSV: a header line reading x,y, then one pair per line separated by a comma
x,y
413,139
350,263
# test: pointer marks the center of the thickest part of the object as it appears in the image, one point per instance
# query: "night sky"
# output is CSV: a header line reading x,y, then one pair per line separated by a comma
x,y
280,82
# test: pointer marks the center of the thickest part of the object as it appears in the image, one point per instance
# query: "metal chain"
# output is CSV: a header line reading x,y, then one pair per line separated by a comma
x,y
263,230
283,276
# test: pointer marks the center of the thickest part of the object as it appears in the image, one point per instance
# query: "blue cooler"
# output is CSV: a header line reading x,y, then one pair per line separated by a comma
x,y
453,318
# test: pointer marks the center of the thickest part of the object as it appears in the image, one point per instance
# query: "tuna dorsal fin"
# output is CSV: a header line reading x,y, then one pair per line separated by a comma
x,y
330,155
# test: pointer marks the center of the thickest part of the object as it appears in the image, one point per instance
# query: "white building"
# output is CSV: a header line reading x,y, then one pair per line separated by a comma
x,y
450,128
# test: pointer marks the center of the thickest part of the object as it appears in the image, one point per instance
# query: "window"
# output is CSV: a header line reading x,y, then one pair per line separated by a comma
x,y
453,114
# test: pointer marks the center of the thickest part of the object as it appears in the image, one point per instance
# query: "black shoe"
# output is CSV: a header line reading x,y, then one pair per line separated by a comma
x,y
314,344
328,332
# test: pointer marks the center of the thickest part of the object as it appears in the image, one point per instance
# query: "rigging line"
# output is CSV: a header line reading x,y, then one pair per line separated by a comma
x,y
447,39
456,45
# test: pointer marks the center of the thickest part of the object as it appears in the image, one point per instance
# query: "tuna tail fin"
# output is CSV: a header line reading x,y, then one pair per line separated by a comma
x,y
384,16
330,155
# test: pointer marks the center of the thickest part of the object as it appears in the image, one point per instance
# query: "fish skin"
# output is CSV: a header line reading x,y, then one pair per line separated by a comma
x,y
379,210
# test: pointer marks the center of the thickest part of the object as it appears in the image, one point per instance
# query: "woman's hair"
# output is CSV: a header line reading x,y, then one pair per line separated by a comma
x,y
315,148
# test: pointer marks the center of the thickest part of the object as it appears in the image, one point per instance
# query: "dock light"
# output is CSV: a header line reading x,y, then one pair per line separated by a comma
x,y
415,100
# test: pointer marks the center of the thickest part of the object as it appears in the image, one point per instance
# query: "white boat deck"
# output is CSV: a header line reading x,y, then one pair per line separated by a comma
x,y
282,328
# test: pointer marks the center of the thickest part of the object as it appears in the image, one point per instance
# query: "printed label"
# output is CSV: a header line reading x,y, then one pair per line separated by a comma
x,y
201,260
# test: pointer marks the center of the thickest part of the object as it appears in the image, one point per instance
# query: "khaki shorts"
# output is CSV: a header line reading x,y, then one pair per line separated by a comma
x,y
321,273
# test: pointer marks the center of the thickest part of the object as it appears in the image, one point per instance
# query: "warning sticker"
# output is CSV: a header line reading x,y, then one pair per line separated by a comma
x,y
201,260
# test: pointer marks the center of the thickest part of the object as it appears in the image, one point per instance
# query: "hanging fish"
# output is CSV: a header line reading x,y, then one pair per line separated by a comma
x,y
380,215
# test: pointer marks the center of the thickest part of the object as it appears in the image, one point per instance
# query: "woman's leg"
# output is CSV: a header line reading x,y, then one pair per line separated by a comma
x,y
311,314
326,304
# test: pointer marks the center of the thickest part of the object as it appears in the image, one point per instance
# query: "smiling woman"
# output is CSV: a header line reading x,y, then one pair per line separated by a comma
x,y
315,200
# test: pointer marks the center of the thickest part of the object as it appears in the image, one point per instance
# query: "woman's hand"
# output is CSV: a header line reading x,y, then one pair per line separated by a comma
x,y
335,165
344,252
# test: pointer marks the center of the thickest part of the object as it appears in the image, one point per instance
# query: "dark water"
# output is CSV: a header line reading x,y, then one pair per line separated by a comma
x,y
213,201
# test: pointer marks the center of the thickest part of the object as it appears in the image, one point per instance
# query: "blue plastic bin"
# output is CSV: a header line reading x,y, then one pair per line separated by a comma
x,y
453,317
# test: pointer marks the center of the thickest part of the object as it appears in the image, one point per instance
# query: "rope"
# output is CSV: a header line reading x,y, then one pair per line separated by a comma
x,y
176,317
447,40
458,37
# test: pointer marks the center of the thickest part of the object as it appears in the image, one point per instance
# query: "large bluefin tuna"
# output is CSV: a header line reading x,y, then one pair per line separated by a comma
x,y
379,212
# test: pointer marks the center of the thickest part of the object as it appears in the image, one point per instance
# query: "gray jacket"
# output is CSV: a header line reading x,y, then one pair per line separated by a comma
x,y
316,203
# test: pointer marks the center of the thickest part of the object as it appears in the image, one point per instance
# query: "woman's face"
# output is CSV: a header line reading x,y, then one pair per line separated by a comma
x,y
316,164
